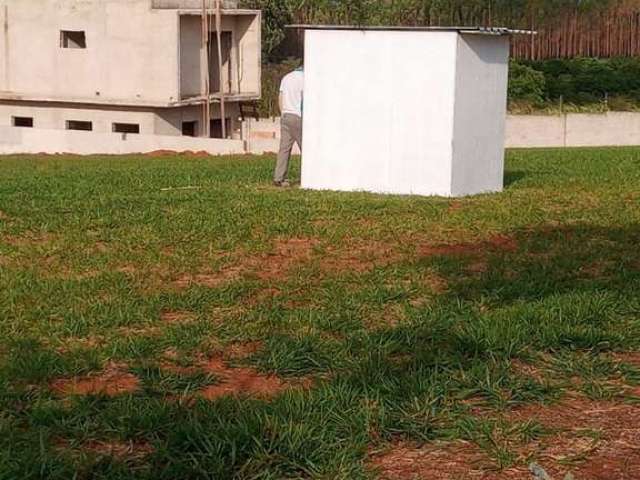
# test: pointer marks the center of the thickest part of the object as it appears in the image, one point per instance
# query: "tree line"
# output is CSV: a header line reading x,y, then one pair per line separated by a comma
x,y
566,28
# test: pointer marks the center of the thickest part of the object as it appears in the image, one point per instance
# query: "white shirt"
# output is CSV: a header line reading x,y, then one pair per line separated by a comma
x,y
291,91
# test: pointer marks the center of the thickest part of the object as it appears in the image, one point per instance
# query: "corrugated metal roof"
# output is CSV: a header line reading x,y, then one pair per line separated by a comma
x,y
464,30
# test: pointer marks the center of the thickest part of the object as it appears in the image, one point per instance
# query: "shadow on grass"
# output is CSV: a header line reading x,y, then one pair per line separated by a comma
x,y
513,177
546,260
557,287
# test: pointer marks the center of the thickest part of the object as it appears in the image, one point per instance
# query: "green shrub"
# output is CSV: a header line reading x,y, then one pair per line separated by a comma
x,y
526,84
577,84
584,80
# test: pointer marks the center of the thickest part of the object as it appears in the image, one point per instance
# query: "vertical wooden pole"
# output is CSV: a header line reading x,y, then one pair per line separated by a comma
x,y
206,113
219,37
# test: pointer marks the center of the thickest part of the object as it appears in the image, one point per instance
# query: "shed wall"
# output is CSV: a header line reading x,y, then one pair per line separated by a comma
x,y
480,113
378,111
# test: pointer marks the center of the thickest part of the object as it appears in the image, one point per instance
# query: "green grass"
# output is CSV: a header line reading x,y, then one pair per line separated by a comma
x,y
399,344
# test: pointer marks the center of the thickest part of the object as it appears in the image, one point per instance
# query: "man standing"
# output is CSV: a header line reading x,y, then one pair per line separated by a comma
x,y
291,90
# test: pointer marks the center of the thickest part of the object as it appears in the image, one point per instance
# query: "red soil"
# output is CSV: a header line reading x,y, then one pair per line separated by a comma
x,y
112,381
240,381
593,440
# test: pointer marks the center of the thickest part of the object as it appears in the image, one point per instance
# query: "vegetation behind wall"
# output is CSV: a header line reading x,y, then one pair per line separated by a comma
x,y
579,84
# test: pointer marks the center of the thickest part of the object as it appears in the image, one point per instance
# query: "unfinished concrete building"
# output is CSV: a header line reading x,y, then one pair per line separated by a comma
x,y
134,67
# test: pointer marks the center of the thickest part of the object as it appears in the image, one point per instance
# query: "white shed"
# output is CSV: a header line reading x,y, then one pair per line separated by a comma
x,y
405,110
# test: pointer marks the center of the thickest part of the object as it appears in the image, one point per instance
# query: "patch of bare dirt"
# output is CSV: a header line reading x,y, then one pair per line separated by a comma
x,y
497,243
29,239
176,316
595,270
161,153
119,450
242,350
322,222
454,206
114,380
360,257
66,273
139,330
478,267
286,254
199,154
437,461
632,358
601,439
240,381
209,280
528,370
127,269
391,315
5,260
173,153
4,216
75,343
265,295
593,440
275,265
435,282
355,255
100,247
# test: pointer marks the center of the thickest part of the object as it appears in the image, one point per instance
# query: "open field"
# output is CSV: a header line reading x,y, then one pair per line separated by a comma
x,y
232,330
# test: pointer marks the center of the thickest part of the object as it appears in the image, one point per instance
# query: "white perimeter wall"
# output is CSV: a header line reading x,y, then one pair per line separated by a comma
x,y
379,111
482,73
522,131
30,140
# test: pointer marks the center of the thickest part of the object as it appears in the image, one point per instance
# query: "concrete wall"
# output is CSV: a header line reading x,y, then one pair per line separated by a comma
x,y
534,131
480,108
131,54
244,57
169,120
248,54
134,55
46,116
613,129
30,140
573,130
522,131
158,121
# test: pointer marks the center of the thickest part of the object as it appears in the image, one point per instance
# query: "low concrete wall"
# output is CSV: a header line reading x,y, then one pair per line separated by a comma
x,y
573,130
522,131
35,140
611,129
535,131
263,136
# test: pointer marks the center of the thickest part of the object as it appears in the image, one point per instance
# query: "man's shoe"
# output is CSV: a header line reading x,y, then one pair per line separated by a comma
x,y
282,184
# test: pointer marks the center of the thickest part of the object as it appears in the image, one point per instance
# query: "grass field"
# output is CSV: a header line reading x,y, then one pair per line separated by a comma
x,y
233,330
